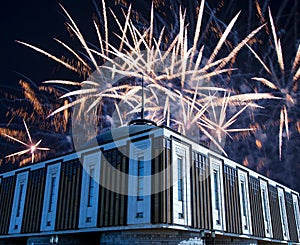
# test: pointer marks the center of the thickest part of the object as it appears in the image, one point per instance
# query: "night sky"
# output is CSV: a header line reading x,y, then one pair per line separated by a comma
x,y
38,22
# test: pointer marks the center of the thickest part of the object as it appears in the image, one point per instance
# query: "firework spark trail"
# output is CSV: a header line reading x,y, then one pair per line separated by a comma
x,y
287,87
31,147
33,103
140,55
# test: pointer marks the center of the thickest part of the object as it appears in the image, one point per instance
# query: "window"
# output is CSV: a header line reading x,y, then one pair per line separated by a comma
x,y
89,197
266,208
20,200
140,184
18,203
50,197
244,202
52,193
139,215
181,179
297,214
283,214
200,162
91,187
217,195
284,221
180,183
216,184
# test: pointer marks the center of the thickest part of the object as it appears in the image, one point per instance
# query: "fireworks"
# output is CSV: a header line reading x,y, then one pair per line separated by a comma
x,y
31,146
33,103
175,74
197,73
283,85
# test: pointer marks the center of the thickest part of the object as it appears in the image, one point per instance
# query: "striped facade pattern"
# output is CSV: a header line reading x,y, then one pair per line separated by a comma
x,y
33,210
290,217
232,207
201,192
112,207
275,213
6,197
161,201
69,196
256,210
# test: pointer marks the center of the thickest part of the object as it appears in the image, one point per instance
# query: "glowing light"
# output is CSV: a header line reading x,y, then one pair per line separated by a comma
x,y
31,147
184,68
280,83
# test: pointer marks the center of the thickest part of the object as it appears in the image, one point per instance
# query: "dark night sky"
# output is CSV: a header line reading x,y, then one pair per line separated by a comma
x,y
38,22
35,22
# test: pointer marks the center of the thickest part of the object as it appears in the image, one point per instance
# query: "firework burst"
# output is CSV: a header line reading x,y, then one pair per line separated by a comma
x,y
32,103
175,73
31,146
283,82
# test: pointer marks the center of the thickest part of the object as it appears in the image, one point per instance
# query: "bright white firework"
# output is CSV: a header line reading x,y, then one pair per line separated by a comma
x,y
180,79
280,83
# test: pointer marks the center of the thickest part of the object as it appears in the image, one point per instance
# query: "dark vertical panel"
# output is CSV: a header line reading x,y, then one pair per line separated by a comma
x,y
160,181
258,228
68,203
77,193
7,189
117,197
232,201
33,202
164,184
102,191
124,186
169,179
193,191
236,202
275,213
291,217
201,193
107,192
197,194
155,185
111,184
112,206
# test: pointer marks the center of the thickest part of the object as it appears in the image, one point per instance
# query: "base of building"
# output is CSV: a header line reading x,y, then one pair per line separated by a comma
x,y
134,237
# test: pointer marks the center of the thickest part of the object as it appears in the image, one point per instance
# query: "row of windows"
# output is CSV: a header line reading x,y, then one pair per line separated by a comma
x,y
217,191
52,185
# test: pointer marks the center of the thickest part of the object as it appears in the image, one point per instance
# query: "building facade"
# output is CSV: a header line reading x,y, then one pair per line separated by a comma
x,y
145,185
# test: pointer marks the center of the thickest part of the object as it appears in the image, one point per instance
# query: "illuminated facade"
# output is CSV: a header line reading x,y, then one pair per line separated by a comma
x,y
181,193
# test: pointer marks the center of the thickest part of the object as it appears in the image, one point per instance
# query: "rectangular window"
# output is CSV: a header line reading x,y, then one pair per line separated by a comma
x,y
297,215
20,200
91,187
52,193
244,201
217,195
216,187
266,208
244,204
180,181
140,215
140,184
283,216
266,211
